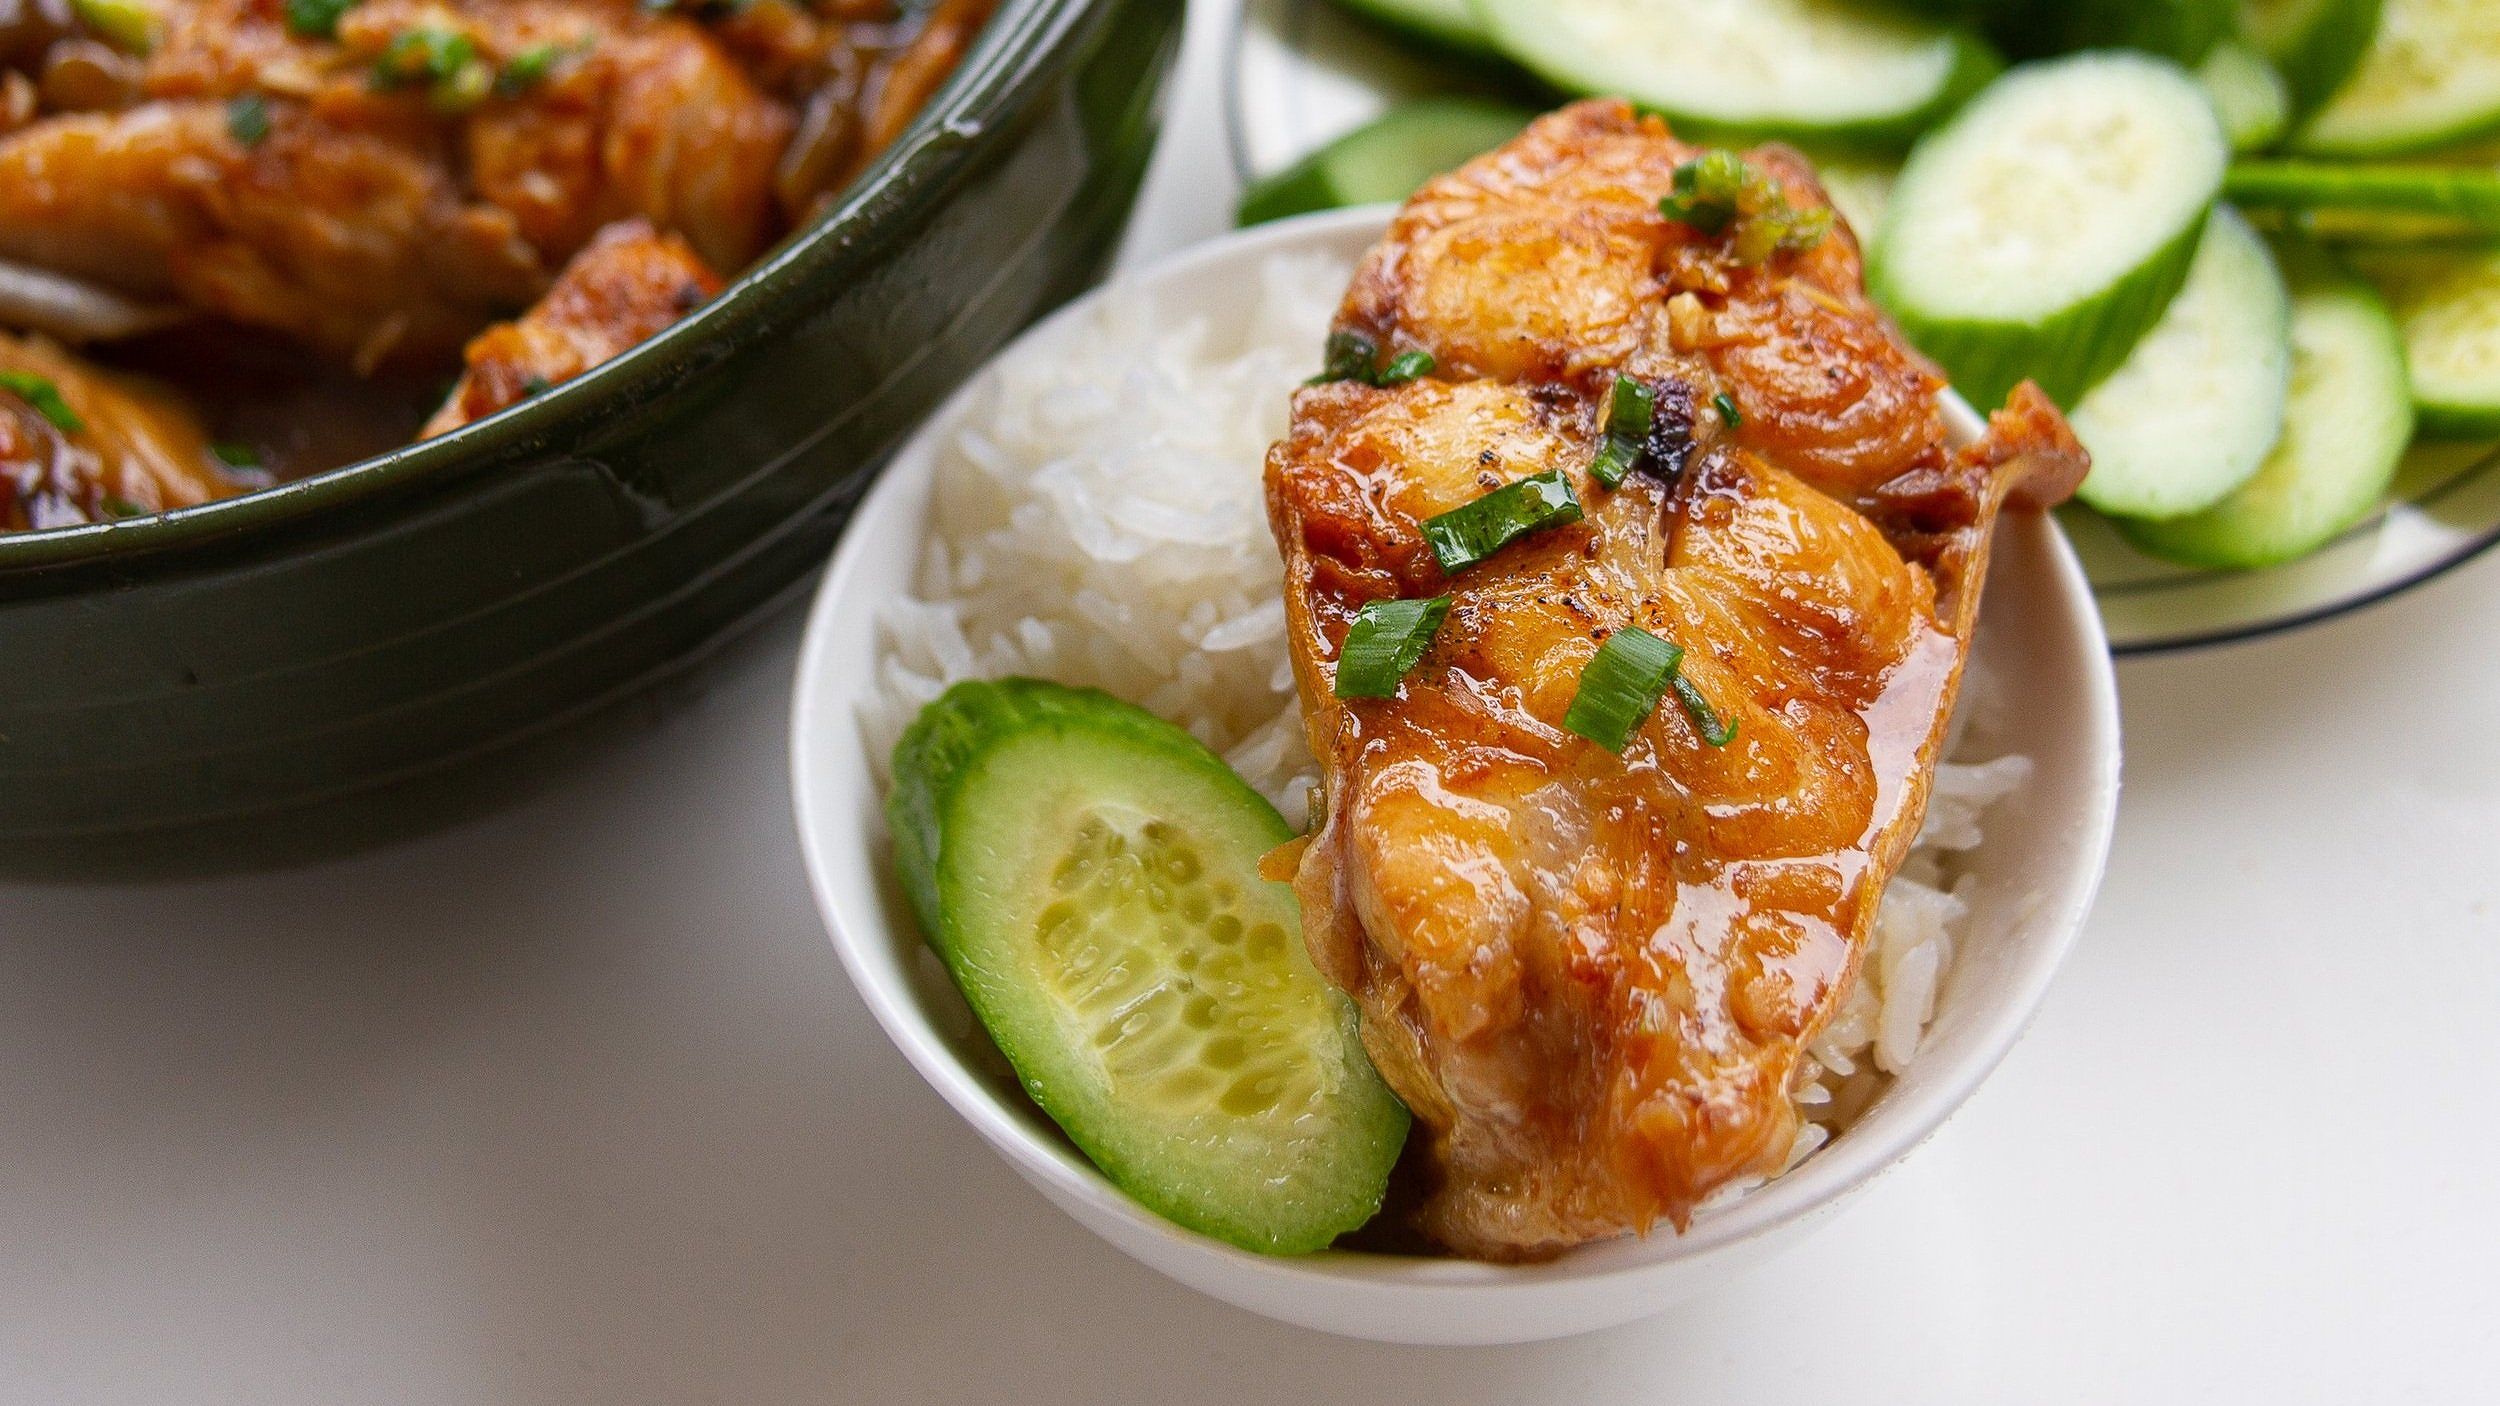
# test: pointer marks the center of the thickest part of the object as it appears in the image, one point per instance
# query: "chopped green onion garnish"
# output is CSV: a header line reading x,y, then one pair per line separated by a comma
x,y
1726,406
1466,535
428,55
236,456
316,19
527,69
1705,718
1387,638
1708,189
122,507
45,398
1621,686
1630,411
536,386
1404,367
1348,358
1351,357
1718,193
247,119
132,26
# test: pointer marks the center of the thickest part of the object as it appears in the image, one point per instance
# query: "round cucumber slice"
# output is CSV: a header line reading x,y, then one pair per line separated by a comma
x,y
1859,188
2345,429
2045,228
1449,22
2196,408
2448,202
1804,69
2430,76
2247,94
2449,309
2315,44
1089,873
1385,160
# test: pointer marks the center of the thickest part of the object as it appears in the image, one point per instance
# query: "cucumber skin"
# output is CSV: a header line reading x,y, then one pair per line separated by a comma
x,y
2315,62
943,749
2213,539
2067,353
1975,65
2433,418
2100,499
2316,137
1312,183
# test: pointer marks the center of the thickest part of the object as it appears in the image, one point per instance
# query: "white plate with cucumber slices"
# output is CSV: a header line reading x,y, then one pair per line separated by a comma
x,y
2040,664
2254,411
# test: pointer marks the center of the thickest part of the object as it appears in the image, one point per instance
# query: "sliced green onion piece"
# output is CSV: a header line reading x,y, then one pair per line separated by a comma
x,y
1621,686
1349,358
1630,411
132,26
44,397
236,456
1706,721
1707,191
534,386
247,119
316,19
1387,638
1468,534
1725,404
527,69
1404,367
122,507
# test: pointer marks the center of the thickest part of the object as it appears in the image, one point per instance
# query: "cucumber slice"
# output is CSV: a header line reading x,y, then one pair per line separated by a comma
x,y
1089,873
2315,44
1802,69
2043,230
1386,160
2247,94
2199,404
2433,202
2449,310
2345,428
2430,76
1449,22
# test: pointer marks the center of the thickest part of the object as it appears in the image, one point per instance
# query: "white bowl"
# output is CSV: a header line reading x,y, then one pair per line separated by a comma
x,y
2046,668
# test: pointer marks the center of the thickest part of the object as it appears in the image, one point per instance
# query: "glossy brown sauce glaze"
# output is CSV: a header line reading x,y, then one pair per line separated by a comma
x,y
1593,976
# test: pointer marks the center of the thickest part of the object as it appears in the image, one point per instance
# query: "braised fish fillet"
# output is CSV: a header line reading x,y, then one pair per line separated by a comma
x,y
1593,976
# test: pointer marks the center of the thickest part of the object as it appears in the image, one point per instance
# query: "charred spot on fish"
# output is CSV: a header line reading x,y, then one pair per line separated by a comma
x,y
1669,446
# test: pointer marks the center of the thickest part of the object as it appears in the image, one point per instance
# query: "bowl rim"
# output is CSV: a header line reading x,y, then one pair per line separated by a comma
x,y
992,83
823,714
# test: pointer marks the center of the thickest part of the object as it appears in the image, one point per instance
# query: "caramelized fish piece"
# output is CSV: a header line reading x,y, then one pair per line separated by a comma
x,y
630,283
82,445
1593,976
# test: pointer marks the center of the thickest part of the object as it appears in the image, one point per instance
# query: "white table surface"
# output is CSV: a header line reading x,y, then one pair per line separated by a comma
x,y
574,1105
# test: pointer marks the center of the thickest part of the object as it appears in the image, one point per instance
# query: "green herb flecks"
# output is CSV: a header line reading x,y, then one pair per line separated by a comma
x,y
247,119
236,456
1468,534
443,62
1387,638
535,386
316,19
45,398
1404,367
122,507
534,65
1719,193
1631,409
1729,415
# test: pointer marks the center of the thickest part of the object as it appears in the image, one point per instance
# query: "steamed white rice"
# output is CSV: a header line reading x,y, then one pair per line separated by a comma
x,y
1099,521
